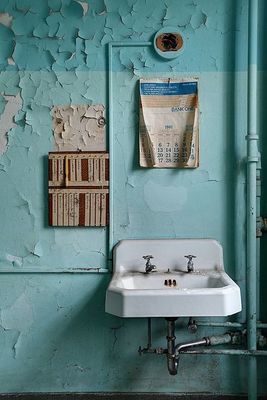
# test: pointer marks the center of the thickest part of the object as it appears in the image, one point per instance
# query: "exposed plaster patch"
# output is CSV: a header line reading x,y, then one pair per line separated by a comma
x,y
103,12
80,127
161,198
13,105
15,260
6,19
2,104
84,5
10,61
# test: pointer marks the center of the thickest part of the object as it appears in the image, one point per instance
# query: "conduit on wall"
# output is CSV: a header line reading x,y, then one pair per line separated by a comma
x,y
111,135
252,160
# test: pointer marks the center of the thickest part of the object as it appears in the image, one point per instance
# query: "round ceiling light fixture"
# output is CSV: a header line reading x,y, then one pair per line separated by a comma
x,y
168,43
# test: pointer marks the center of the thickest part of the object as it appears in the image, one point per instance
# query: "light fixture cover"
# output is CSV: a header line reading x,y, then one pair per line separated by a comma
x,y
168,42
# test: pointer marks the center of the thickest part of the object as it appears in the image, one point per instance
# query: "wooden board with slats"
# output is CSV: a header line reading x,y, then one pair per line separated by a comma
x,y
78,188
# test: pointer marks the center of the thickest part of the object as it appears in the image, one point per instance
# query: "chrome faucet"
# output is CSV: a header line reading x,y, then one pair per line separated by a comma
x,y
149,267
190,264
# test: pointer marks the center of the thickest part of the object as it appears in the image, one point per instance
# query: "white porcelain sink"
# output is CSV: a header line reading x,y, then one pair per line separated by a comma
x,y
171,291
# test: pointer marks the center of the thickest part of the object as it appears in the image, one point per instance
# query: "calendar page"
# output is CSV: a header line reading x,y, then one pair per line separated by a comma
x,y
169,123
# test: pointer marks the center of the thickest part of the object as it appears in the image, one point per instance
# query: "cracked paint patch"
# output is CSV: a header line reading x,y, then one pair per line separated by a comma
x,y
38,249
10,339
27,206
16,345
15,260
84,5
115,330
53,53
11,61
12,107
198,19
6,19
79,127
18,316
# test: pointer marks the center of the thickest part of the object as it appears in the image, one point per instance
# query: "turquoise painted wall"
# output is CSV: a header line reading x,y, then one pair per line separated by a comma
x,y
54,333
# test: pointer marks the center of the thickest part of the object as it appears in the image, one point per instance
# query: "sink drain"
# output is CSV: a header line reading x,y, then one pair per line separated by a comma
x,y
170,282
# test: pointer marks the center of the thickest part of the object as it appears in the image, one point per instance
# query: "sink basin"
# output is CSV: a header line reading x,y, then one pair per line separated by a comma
x,y
171,291
183,281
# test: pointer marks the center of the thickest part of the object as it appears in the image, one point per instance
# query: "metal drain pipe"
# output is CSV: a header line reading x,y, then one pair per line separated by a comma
x,y
252,161
171,360
173,351
205,341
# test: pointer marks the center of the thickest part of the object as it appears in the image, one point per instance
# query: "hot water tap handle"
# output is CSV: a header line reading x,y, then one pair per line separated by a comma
x,y
148,257
190,257
190,264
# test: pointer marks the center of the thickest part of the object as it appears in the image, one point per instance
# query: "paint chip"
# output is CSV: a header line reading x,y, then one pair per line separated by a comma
x,y
79,127
15,260
6,19
13,105
10,61
84,5
18,316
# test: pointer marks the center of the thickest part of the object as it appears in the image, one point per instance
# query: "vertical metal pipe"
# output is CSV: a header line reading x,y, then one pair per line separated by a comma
x,y
252,160
259,234
252,378
111,151
171,360
112,45
149,334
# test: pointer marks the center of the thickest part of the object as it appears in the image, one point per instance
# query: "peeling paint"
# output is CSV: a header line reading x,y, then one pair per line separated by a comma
x,y
13,105
198,19
10,61
38,250
79,127
55,335
18,316
84,5
6,19
15,260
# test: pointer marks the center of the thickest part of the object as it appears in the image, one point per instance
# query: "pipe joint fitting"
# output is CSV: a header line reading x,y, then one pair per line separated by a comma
x,y
170,337
252,136
252,159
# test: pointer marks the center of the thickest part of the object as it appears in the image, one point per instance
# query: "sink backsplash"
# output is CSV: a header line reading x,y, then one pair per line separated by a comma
x,y
168,253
